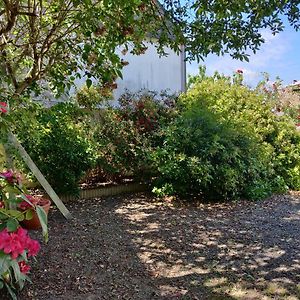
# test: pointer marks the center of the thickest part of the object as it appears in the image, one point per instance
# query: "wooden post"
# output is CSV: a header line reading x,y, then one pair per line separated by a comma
x,y
40,177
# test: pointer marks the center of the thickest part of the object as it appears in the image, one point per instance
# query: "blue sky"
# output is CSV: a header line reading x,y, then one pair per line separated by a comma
x,y
278,56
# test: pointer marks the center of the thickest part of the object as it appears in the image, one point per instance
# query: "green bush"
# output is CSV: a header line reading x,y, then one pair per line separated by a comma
x,y
251,111
203,155
59,146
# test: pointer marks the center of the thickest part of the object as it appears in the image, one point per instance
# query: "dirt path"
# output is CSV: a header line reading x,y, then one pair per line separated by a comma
x,y
137,248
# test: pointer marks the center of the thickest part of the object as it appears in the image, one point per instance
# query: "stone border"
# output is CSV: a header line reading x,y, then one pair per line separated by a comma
x,y
105,191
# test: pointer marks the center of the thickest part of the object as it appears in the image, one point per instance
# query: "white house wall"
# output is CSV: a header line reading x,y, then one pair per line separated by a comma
x,y
145,71
149,71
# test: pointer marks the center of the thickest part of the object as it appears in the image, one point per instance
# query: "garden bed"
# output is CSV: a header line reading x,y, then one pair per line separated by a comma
x,y
135,247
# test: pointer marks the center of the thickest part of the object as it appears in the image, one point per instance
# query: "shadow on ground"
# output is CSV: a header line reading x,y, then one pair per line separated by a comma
x,y
138,248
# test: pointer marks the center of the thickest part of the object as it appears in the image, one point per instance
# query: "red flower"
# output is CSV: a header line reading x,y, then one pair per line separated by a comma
x,y
239,71
2,205
33,247
15,243
23,267
11,244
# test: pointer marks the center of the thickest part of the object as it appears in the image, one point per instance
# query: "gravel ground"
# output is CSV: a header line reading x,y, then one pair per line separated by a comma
x,y
136,247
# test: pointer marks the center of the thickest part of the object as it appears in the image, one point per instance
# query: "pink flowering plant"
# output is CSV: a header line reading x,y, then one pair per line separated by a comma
x,y
4,118
16,247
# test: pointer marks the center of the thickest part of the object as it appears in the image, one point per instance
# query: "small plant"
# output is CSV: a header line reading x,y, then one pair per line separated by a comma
x,y
16,247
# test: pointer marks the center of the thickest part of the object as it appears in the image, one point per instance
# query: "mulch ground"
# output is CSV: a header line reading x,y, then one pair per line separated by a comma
x,y
136,247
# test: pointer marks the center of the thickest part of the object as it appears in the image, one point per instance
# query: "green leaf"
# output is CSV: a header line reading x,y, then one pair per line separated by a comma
x,y
19,277
43,220
29,214
12,225
11,292
2,215
13,212
2,226
89,83
4,262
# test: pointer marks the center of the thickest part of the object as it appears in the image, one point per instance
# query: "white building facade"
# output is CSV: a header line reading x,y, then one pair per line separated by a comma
x,y
153,72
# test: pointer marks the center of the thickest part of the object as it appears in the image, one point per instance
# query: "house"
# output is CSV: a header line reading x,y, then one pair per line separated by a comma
x,y
152,72
295,86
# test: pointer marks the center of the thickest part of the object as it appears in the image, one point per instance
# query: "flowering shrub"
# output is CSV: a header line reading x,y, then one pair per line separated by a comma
x,y
15,244
125,134
15,249
146,110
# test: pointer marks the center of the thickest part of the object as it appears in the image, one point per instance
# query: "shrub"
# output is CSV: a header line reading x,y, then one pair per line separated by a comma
x,y
252,111
125,134
121,146
59,146
202,154
93,96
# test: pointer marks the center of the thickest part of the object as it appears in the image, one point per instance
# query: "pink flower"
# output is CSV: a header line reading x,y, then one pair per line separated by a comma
x,y
2,205
3,106
23,267
11,177
15,243
33,247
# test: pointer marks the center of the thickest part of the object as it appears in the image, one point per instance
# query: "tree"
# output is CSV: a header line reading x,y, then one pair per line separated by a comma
x,y
59,40
229,26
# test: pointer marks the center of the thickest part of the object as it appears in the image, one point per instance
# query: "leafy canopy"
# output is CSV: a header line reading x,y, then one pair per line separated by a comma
x,y
57,41
61,40
229,26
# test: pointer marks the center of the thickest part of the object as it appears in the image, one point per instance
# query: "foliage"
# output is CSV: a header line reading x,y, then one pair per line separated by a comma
x,y
120,145
61,41
228,26
253,112
125,133
15,244
58,144
202,155
93,96
147,109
